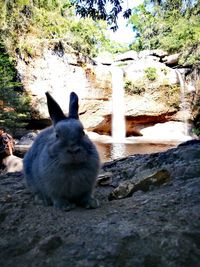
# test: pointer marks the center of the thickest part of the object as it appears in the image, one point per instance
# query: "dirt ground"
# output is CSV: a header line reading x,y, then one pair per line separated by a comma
x,y
156,227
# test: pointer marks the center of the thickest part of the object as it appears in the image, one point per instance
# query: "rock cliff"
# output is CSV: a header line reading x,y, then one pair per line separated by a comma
x,y
152,88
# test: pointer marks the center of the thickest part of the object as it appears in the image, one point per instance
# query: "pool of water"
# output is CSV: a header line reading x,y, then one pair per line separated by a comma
x,y
111,151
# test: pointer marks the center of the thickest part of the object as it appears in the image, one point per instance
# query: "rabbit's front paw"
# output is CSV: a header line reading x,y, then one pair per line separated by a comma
x,y
63,204
90,203
41,199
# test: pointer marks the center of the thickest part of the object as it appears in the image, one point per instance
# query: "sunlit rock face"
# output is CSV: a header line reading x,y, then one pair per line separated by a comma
x,y
58,74
152,92
138,72
61,74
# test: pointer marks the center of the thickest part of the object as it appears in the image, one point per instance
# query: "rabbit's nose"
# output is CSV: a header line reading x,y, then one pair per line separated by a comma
x,y
73,149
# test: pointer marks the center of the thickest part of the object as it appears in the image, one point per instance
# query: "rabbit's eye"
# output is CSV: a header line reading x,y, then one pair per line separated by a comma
x,y
57,135
82,133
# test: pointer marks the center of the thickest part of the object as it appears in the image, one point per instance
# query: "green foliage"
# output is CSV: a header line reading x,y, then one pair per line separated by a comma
x,y
196,131
171,95
151,73
173,26
107,10
47,4
191,55
14,104
22,22
196,109
165,71
87,36
134,89
183,33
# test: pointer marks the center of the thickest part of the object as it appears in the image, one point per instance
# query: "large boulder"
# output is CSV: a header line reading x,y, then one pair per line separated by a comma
x,y
129,55
172,59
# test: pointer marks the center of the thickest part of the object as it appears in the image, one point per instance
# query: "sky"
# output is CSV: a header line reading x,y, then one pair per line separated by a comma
x,y
125,34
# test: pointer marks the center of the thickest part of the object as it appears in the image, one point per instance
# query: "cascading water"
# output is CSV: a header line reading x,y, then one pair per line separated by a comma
x,y
118,110
183,105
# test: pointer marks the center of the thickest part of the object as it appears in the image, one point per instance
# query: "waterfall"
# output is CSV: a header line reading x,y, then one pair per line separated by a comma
x,y
118,109
183,105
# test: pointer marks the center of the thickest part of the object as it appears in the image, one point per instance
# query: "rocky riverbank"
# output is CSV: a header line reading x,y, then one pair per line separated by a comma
x,y
149,216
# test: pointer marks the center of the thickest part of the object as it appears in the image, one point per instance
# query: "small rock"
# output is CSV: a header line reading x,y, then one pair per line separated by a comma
x,y
127,188
7,198
13,163
123,190
104,179
28,138
172,59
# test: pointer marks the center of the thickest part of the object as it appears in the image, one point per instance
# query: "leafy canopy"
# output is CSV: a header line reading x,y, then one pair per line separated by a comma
x,y
172,25
22,22
102,9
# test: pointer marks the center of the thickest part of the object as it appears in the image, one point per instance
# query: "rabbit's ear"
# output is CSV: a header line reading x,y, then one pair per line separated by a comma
x,y
73,106
55,111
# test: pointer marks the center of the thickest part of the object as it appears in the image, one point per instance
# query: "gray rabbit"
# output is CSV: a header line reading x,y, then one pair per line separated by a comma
x,y
62,165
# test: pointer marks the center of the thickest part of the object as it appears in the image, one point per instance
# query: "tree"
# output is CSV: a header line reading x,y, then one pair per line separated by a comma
x,y
102,9
173,25
14,104
23,22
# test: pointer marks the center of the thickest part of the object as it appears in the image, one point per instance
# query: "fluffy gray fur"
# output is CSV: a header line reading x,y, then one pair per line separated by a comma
x,y
62,165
